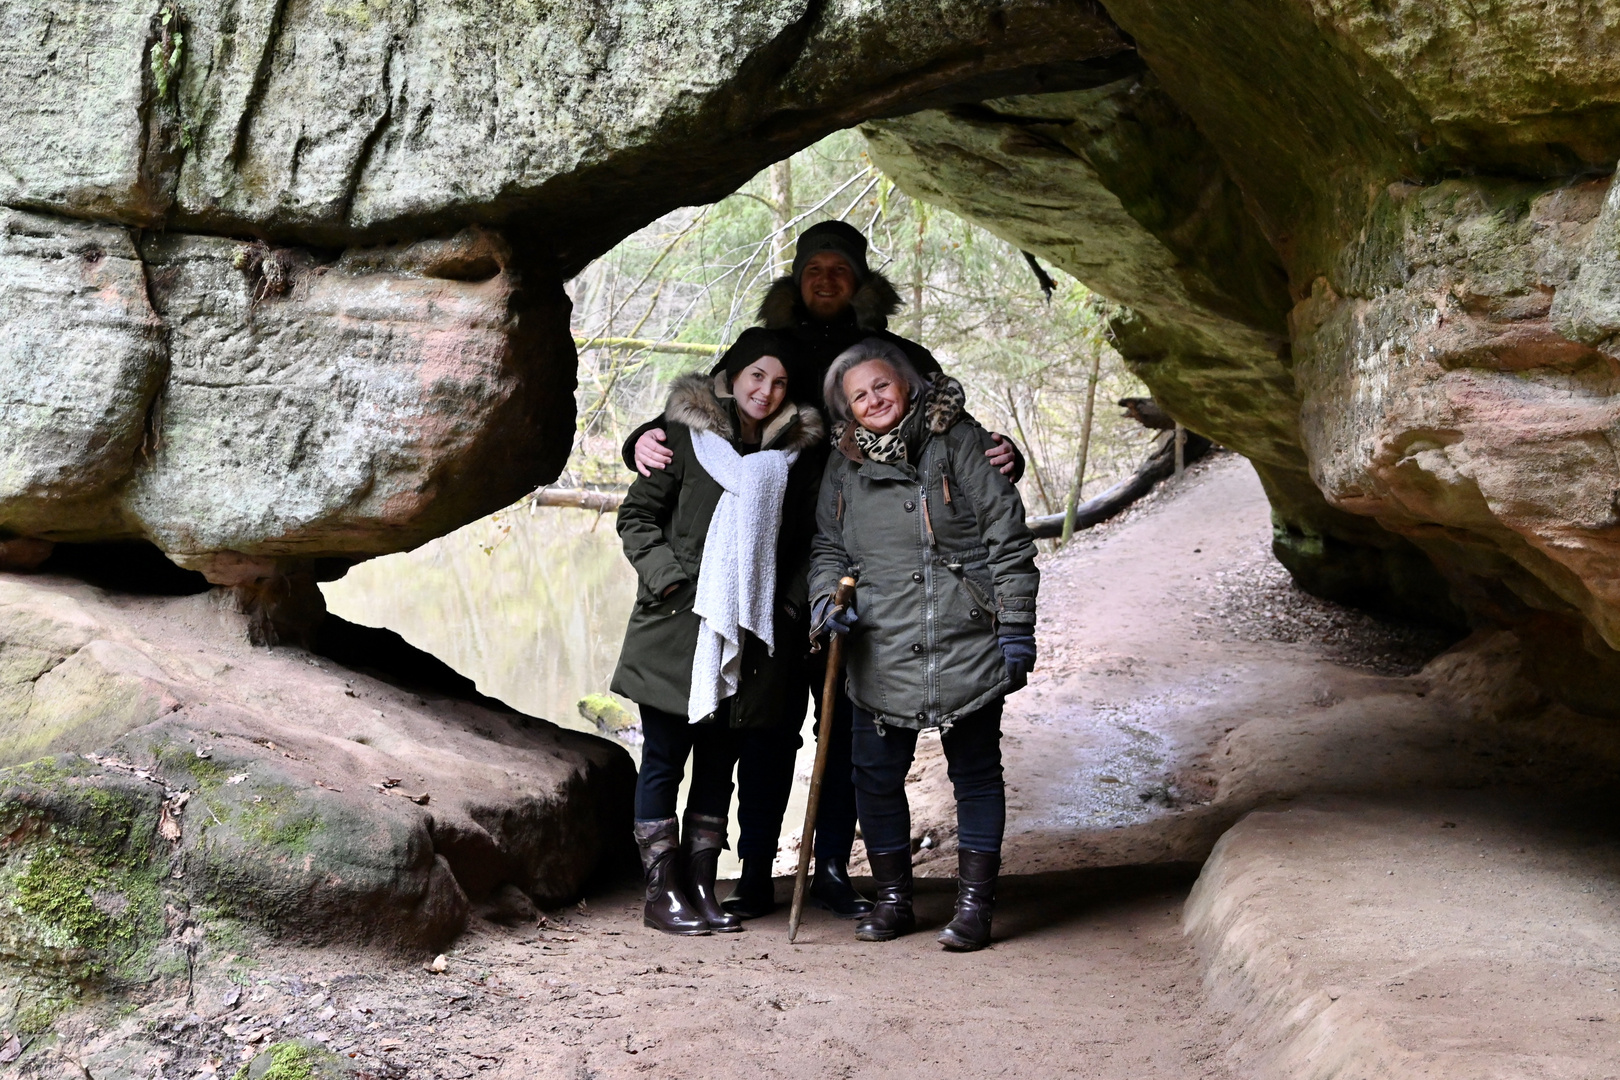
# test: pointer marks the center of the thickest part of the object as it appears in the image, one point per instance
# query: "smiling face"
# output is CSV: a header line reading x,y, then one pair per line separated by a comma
x,y
760,388
877,396
827,284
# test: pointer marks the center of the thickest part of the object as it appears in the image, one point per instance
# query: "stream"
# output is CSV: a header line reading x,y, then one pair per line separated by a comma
x,y
530,604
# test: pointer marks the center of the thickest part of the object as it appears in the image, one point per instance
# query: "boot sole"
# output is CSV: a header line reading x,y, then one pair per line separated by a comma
x,y
952,943
726,929
859,936
702,931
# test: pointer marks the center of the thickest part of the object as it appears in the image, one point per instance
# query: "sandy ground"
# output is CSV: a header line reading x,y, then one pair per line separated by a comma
x,y
1093,979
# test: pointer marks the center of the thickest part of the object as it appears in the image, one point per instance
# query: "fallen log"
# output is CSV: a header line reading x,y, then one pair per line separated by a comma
x,y
1158,465
603,502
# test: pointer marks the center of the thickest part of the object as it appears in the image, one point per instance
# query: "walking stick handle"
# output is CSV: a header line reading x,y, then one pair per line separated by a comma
x,y
842,599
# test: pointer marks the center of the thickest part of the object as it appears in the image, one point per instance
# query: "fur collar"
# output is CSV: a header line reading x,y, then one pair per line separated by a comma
x,y
702,403
873,303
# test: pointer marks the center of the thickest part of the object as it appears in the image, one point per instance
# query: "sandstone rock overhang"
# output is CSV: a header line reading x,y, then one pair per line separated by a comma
x,y
230,340
281,283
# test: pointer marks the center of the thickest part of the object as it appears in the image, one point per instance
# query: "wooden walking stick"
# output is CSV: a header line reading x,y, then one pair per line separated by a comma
x,y
844,597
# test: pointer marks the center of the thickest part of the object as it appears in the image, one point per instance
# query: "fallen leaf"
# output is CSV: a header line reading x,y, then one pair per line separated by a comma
x,y
205,752
237,779
11,1051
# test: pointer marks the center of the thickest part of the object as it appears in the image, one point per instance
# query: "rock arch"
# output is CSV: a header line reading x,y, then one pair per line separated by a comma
x,y
281,281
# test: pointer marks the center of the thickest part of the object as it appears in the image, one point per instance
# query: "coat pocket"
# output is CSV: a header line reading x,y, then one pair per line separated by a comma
x,y
676,603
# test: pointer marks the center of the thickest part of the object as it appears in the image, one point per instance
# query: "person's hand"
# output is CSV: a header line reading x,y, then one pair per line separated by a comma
x,y
651,453
1018,650
1002,455
824,616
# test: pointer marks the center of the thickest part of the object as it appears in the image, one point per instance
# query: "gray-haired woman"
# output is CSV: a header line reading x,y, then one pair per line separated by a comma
x,y
943,626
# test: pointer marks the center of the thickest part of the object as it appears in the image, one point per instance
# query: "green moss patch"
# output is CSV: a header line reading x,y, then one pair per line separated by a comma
x,y
294,1060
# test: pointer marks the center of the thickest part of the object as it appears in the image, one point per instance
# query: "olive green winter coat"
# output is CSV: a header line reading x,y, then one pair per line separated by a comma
x,y
942,557
663,524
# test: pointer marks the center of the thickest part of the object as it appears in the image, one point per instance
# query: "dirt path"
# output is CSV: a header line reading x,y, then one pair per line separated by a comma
x,y
1151,657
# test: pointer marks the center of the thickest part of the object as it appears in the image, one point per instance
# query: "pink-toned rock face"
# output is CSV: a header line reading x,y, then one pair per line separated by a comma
x,y
1459,384
239,404
318,409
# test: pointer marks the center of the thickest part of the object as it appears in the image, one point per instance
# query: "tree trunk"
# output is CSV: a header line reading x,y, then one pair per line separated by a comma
x,y
782,207
1085,448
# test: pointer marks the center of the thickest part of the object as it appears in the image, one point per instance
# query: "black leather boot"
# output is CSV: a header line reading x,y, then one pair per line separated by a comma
x,y
667,908
703,837
755,894
975,899
831,888
892,916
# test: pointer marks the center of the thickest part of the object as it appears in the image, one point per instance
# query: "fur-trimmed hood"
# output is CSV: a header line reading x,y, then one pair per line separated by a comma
x,y
873,303
704,403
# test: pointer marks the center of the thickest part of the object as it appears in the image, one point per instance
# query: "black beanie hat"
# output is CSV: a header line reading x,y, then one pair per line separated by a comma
x,y
752,344
834,236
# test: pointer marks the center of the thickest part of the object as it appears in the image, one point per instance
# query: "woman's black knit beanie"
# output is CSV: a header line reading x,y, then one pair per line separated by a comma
x,y
754,343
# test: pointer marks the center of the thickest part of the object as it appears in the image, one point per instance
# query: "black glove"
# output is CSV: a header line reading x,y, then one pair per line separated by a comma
x,y
1018,650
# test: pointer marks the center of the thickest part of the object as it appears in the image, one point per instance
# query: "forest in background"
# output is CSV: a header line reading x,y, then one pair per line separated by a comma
x,y
668,297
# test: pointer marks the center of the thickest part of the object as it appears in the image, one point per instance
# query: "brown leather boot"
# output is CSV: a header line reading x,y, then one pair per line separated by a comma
x,y
703,836
975,899
893,916
667,908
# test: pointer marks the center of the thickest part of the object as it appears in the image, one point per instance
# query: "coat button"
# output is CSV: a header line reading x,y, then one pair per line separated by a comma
x,y
916,648
910,506
917,576
922,718
974,614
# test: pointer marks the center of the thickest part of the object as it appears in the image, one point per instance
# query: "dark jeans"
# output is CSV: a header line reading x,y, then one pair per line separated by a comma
x,y
667,739
973,762
765,777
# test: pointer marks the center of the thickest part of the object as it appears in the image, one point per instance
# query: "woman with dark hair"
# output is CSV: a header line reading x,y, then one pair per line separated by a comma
x,y
943,624
715,646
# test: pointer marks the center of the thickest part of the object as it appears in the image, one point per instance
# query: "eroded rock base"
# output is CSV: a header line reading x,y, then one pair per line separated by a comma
x,y
167,779
1450,935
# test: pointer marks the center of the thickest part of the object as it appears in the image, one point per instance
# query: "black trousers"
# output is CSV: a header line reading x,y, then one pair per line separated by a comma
x,y
666,741
973,762
765,778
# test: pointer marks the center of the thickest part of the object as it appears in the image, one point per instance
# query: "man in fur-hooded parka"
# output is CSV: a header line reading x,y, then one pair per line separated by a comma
x,y
831,248
664,522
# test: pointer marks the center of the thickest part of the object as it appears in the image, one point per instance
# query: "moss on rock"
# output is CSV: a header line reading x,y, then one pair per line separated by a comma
x,y
81,873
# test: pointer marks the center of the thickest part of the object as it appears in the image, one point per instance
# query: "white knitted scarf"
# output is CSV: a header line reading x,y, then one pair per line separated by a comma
x,y
736,588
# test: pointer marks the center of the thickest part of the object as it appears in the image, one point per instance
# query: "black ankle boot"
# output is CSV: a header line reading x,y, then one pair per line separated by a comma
x,y
704,836
892,916
667,907
975,899
832,889
755,894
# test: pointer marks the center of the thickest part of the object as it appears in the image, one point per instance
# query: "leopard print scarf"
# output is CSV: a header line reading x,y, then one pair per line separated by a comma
x,y
889,449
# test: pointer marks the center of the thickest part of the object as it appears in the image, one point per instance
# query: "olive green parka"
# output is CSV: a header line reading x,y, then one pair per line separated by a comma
x,y
942,558
663,524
